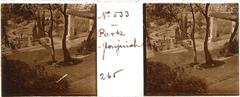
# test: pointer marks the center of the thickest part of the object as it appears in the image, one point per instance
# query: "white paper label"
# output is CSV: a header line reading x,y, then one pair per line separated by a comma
x,y
119,49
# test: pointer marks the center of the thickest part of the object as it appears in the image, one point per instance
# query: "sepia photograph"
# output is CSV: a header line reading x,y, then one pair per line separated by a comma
x,y
48,49
191,49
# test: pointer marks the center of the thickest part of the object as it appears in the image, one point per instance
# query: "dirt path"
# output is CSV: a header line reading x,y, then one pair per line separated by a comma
x,y
227,87
221,80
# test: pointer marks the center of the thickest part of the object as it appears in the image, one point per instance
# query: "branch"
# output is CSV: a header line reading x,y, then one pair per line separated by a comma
x,y
65,8
60,9
207,7
51,25
200,9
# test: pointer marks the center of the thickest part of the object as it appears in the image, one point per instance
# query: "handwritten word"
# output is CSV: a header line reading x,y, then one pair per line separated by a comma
x,y
118,46
109,75
105,34
114,14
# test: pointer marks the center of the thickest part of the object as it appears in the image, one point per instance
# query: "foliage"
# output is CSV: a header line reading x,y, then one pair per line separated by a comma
x,y
166,11
17,10
230,49
161,79
21,79
87,47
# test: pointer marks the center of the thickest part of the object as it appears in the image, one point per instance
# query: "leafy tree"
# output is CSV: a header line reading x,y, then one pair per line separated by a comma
x,y
204,11
193,36
66,54
50,34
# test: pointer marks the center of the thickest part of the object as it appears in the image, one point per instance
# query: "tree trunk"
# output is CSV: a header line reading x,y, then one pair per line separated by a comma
x,y
38,25
67,57
51,35
193,37
92,30
208,57
91,33
185,27
40,29
234,31
34,31
43,24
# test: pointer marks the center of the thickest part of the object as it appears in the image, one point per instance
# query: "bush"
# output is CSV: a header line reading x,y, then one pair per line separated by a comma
x,y
230,48
21,79
86,48
188,86
161,79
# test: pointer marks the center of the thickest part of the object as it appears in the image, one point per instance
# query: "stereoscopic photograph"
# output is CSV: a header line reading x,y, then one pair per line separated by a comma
x,y
191,49
48,49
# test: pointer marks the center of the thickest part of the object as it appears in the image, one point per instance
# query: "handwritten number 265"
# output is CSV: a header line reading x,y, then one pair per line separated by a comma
x,y
109,76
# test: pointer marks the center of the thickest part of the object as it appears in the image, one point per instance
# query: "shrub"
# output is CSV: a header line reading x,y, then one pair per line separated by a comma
x,y
188,86
21,79
161,79
87,47
230,48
